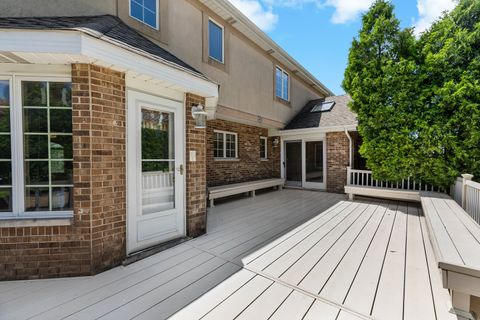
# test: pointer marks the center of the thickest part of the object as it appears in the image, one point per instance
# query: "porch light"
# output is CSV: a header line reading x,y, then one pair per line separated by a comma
x,y
276,142
200,116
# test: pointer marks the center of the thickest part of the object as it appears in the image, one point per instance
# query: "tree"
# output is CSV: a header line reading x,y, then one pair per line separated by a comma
x,y
412,96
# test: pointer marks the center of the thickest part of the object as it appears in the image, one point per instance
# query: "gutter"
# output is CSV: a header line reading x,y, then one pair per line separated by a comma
x,y
350,153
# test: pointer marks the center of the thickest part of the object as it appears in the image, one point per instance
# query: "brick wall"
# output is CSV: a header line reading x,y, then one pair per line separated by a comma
x,y
96,239
337,161
196,188
107,149
249,165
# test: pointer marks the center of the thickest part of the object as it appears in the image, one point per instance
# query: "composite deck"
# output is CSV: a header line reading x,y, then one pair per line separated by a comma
x,y
282,255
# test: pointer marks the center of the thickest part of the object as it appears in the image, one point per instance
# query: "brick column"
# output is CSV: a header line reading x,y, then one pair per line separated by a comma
x,y
100,161
337,161
196,172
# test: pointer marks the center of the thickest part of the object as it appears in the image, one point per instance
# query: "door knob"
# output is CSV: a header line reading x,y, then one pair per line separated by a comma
x,y
180,169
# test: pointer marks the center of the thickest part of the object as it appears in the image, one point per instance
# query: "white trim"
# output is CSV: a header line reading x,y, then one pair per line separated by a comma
x,y
284,73
225,144
157,14
223,40
316,130
265,149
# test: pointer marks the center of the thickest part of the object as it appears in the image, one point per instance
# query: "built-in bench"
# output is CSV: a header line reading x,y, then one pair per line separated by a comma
x,y
455,238
243,187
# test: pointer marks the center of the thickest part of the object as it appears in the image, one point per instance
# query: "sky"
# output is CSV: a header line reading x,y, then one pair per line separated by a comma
x,y
318,33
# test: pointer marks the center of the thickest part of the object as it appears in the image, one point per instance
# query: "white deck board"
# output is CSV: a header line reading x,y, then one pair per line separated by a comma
x,y
362,291
388,302
308,255
418,301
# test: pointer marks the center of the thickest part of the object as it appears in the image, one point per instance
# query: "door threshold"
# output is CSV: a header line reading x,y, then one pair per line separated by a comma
x,y
145,253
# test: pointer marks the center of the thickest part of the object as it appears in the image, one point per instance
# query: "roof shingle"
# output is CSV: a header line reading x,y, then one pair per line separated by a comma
x,y
339,116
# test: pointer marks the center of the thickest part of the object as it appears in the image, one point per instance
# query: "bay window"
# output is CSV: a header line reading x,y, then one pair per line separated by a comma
x,y
36,148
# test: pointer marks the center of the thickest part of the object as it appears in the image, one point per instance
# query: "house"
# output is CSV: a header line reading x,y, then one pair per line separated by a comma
x,y
105,148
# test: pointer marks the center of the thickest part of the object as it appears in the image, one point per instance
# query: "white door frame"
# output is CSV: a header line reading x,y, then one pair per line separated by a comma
x,y
304,139
135,100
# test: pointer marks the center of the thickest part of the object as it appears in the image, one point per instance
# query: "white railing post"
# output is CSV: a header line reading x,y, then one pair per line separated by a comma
x,y
466,177
349,176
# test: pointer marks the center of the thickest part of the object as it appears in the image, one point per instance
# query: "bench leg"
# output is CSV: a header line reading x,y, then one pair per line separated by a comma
x,y
280,188
351,197
253,193
211,203
461,305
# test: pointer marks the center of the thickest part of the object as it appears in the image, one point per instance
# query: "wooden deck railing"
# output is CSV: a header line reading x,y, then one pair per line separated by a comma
x,y
364,178
467,194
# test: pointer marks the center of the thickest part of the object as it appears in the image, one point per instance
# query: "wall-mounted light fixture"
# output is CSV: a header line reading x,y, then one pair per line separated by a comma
x,y
276,142
200,116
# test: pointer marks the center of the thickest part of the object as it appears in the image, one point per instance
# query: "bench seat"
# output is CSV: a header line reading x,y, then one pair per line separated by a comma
x,y
455,238
242,187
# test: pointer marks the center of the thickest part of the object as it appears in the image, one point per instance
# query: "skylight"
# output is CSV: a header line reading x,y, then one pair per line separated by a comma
x,y
323,106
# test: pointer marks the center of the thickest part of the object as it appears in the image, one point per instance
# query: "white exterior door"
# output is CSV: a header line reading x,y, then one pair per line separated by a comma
x,y
155,149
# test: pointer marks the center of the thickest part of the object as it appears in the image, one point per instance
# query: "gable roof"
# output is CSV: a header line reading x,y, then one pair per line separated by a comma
x,y
339,116
104,27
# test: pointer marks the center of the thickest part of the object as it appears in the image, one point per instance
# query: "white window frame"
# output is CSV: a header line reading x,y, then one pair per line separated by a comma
x,y
157,15
223,40
265,149
224,133
16,127
282,94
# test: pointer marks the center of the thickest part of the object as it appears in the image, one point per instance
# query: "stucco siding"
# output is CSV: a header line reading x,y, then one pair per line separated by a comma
x,y
45,8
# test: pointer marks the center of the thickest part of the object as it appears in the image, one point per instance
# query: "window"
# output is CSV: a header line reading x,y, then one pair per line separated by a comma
x,y
145,11
225,145
263,148
323,106
36,170
282,84
215,41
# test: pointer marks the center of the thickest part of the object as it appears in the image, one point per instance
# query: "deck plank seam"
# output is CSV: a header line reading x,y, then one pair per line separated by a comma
x,y
310,294
299,240
341,235
313,245
300,228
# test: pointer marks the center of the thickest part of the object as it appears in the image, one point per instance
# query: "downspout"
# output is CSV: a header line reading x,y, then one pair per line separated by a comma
x,y
350,153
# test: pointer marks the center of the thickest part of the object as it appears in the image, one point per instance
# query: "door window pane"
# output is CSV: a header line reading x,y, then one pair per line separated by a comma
x,y
158,161
5,147
5,173
314,161
48,148
215,41
294,162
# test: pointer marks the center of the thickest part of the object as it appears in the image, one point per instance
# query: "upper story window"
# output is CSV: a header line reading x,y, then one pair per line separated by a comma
x,y
263,148
36,149
216,46
145,11
225,145
282,84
